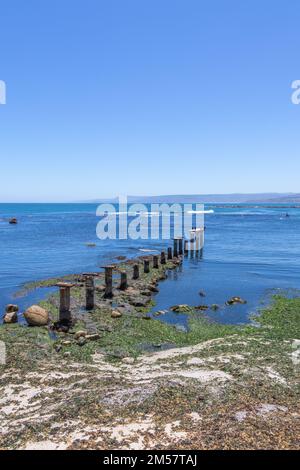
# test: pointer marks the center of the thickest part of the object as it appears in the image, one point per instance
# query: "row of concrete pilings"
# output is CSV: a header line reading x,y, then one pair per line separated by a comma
x,y
65,287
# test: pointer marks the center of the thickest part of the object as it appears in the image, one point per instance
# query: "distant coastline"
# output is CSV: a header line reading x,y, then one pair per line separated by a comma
x,y
236,198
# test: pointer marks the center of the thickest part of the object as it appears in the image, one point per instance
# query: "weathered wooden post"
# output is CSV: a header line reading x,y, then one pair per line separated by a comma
x,y
64,301
146,266
163,258
123,283
186,247
108,294
170,256
175,247
155,262
89,293
136,271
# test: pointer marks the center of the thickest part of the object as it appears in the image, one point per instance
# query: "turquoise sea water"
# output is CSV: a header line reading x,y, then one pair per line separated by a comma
x,y
250,251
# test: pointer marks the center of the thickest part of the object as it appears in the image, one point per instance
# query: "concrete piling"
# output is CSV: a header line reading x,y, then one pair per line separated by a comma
x,y
123,283
186,247
175,247
170,256
108,282
136,271
163,257
146,266
180,246
64,301
89,293
155,262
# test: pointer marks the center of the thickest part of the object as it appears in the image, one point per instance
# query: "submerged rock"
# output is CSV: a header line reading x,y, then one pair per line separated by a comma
x,y
36,316
215,307
201,307
236,300
181,308
160,312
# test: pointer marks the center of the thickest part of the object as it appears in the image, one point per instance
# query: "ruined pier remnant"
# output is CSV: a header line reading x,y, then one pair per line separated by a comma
x,y
64,301
108,294
123,282
175,247
89,293
180,246
186,247
196,239
163,257
136,271
146,266
155,262
170,256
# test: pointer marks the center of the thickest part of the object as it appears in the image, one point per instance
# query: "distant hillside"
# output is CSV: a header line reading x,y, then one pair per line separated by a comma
x,y
285,198
292,199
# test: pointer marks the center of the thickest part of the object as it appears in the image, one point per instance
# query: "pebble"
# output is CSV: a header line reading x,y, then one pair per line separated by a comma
x,y
80,333
116,314
81,341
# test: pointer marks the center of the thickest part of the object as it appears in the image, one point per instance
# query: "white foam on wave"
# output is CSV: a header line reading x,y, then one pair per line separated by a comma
x,y
201,212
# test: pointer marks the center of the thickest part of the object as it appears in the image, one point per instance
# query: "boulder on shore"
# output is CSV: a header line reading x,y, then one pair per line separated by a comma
x,y
10,317
36,316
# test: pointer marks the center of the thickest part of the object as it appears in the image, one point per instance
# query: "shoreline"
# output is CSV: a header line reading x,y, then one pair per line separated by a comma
x,y
141,383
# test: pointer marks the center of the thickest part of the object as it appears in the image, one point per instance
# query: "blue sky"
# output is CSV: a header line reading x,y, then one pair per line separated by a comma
x,y
148,97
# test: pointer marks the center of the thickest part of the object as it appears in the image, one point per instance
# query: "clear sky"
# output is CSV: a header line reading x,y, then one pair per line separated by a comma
x,y
148,97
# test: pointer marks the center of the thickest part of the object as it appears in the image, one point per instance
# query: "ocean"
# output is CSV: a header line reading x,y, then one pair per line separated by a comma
x,y
251,251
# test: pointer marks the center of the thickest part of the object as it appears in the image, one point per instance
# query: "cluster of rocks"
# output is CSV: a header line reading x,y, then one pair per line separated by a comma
x,y
184,308
34,315
11,314
82,336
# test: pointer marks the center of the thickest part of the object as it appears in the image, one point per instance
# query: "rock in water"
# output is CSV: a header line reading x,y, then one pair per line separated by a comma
x,y
11,308
181,308
13,221
10,317
36,316
235,300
